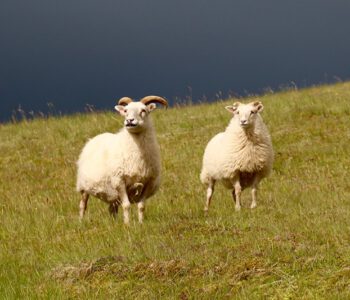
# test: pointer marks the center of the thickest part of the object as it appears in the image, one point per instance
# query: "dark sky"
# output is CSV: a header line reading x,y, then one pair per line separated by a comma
x,y
78,52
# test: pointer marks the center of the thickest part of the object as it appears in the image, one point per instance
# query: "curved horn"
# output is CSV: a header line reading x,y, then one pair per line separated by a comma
x,y
124,101
154,99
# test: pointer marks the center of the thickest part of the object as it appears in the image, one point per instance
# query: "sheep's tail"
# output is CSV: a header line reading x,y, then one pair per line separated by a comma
x,y
78,188
204,177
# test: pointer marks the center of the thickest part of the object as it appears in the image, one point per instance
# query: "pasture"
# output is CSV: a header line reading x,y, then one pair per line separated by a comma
x,y
294,245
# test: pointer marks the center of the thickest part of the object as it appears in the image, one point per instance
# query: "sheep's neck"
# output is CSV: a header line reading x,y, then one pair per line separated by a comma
x,y
146,136
249,133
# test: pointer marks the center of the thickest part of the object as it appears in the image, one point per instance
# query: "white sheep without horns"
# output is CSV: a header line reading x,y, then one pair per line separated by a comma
x,y
124,167
241,156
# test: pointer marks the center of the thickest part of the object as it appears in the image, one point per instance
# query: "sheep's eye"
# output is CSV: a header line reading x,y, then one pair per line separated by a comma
x,y
252,112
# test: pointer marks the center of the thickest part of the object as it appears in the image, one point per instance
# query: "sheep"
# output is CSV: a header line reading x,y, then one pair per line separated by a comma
x,y
124,167
241,156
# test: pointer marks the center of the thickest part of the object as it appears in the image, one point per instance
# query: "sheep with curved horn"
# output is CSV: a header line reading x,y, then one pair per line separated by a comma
x,y
124,167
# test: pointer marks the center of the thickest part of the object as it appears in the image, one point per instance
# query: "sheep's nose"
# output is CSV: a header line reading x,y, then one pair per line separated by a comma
x,y
128,121
244,122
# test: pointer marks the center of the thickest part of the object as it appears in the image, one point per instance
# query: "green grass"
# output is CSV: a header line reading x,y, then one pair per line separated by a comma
x,y
294,245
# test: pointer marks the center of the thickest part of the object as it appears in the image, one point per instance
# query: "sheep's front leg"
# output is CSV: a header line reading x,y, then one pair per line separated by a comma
x,y
210,191
236,193
141,210
254,191
83,204
125,204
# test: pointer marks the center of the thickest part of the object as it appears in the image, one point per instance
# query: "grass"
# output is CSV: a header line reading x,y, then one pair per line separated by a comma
x,y
294,245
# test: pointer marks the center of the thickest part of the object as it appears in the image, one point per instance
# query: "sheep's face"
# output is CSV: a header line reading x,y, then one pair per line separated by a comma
x,y
245,114
135,114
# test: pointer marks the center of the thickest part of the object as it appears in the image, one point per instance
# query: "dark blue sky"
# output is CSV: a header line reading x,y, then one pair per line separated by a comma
x,y
78,52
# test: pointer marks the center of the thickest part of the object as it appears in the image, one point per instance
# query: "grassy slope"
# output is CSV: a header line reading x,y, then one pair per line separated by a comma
x,y
295,244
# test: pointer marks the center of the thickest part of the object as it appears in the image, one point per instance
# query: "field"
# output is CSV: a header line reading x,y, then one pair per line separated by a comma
x,y
294,245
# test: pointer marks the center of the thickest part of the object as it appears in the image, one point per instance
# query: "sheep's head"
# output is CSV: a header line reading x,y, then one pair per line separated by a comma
x,y
136,113
245,114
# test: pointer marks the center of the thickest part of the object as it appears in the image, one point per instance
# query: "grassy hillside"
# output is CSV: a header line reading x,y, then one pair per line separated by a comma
x,y
295,244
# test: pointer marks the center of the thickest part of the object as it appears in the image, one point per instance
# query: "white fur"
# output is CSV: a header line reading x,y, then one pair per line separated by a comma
x,y
240,156
123,167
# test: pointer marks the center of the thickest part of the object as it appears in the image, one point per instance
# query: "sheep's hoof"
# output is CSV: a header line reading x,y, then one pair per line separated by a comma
x,y
237,208
206,211
253,205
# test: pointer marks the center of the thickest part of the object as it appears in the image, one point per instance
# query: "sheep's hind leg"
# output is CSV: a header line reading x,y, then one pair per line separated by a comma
x,y
83,204
113,209
254,191
210,191
141,210
236,193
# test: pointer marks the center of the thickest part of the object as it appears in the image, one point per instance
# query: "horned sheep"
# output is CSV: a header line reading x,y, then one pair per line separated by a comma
x,y
124,167
241,156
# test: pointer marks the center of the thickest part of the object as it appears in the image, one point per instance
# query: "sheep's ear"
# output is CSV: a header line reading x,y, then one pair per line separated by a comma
x,y
231,108
120,109
151,106
258,106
